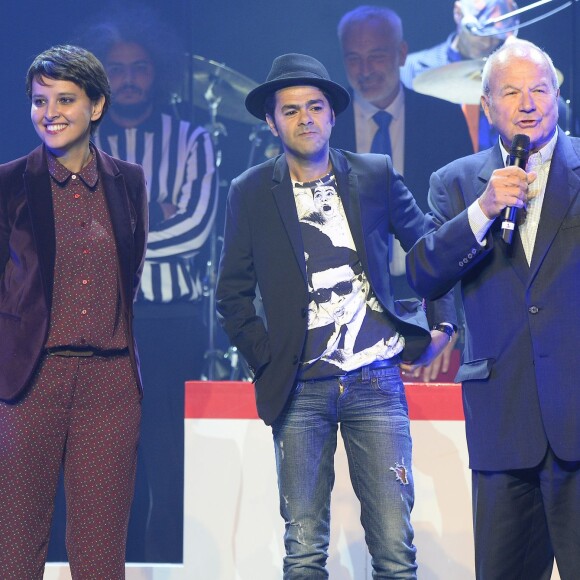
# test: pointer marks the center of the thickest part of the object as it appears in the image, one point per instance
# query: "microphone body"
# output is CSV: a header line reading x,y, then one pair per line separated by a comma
x,y
519,153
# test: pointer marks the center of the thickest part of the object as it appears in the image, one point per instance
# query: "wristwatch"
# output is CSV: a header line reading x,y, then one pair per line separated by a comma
x,y
445,327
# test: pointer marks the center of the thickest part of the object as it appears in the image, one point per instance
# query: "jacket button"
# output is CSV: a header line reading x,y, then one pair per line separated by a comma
x,y
533,310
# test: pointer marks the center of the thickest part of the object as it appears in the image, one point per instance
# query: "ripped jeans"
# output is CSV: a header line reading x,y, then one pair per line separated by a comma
x,y
371,408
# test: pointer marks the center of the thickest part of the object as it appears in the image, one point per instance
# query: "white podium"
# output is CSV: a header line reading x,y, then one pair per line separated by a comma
x,y
233,527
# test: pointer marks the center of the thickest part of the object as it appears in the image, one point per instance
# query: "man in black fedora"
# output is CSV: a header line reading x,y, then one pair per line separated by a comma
x,y
311,229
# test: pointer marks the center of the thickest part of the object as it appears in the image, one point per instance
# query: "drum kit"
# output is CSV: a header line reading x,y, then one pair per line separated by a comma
x,y
221,91
458,82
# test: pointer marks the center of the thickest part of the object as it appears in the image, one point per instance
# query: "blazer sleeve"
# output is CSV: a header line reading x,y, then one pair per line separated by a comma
x,y
409,223
142,229
236,285
4,230
449,249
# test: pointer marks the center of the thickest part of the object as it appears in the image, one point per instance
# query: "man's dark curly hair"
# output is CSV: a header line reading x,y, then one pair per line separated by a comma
x,y
140,25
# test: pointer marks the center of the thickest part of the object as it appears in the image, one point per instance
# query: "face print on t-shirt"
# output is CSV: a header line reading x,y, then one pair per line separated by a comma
x,y
346,324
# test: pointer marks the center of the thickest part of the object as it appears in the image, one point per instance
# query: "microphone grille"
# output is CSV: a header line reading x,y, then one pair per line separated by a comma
x,y
520,146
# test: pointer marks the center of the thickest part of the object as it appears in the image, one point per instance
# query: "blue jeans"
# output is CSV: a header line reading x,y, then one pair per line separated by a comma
x,y
371,408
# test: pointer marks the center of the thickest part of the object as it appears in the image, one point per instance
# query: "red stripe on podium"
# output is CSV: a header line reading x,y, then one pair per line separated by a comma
x,y
235,400
434,401
220,400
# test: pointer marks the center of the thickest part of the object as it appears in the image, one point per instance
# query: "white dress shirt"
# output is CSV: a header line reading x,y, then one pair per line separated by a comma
x,y
366,128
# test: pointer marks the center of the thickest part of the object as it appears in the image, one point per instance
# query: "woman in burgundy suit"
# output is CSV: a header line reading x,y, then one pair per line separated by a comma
x,y
73,226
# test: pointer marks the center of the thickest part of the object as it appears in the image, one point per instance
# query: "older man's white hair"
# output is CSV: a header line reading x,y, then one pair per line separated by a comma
x,y
519,49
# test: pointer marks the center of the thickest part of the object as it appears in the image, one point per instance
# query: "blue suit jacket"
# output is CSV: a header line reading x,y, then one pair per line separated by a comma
x,y
520,368
27,256
263,246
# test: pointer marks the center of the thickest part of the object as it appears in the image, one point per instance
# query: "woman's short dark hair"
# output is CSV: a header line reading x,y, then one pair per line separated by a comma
x,y
72,63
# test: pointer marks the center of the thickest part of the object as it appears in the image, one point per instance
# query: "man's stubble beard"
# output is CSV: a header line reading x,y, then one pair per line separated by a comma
x,y
132,111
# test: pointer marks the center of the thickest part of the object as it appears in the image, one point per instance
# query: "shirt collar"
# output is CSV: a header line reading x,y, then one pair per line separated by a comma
x,y
61,174
539,157
395,108
324,180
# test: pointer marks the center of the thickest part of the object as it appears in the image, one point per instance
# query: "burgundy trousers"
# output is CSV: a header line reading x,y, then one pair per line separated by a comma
x,y
82,413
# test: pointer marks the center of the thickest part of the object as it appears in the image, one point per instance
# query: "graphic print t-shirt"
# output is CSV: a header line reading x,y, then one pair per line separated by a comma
x,y
347,327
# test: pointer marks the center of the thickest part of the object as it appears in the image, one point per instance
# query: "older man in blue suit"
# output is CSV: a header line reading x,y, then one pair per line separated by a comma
x,y
520,366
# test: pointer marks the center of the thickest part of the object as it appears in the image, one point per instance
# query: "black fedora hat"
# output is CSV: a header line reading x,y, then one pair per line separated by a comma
x,y
293,69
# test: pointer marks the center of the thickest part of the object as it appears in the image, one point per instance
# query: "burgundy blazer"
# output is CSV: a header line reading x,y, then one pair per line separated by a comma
x,y
27,257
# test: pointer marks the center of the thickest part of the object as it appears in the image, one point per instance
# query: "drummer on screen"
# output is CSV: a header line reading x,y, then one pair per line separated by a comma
x,y
471,40
140,54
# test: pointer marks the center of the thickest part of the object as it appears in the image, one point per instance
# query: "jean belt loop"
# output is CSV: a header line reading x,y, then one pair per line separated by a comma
x,y
366,373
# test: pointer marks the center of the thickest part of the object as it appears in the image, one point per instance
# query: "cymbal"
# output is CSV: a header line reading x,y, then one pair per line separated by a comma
x,y
217,86
458,82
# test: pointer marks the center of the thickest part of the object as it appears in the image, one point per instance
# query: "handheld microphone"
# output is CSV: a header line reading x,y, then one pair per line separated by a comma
x,y
519,153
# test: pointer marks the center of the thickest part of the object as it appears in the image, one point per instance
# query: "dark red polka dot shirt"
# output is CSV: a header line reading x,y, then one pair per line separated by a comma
x,y
86,305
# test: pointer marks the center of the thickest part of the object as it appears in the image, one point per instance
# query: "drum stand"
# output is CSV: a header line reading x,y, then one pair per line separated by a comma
x,y
219,365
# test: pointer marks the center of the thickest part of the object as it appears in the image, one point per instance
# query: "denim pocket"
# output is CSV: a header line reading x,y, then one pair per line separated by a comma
x,y
390,394
388,381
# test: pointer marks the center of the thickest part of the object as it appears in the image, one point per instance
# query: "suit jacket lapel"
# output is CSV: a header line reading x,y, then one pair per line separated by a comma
x,y
492,162
348,190
561,190
284,198
39,200
118,203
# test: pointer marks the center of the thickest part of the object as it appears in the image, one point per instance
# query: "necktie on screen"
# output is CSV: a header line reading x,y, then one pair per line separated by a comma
x,y
341,336
382,140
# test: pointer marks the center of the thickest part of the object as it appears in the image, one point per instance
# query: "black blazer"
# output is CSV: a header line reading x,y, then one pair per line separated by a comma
x,y
27,256
435,134
263,246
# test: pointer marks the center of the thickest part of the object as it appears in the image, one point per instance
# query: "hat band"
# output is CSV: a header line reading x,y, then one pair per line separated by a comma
x,y
294,75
